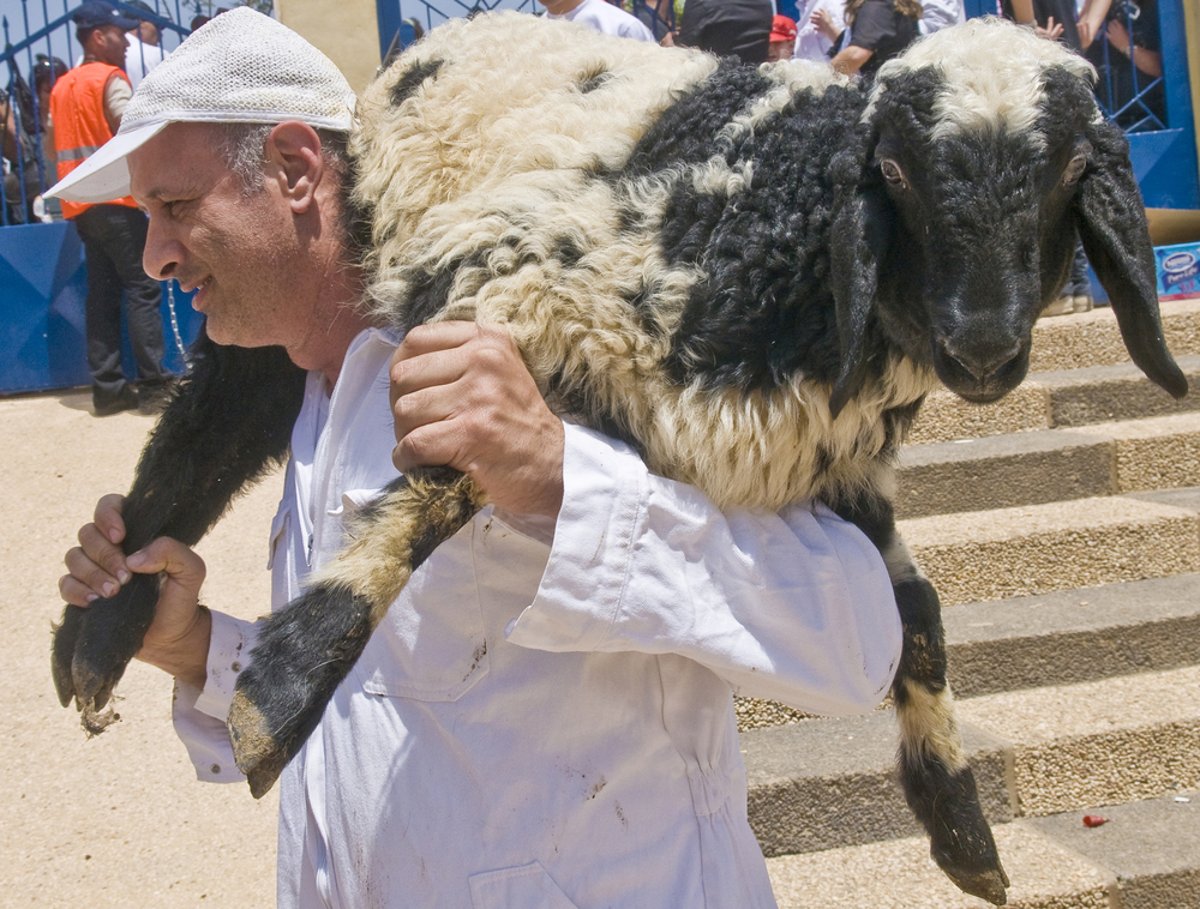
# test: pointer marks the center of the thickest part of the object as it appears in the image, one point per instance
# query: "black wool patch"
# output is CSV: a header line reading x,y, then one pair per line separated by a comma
x,y
591,81
765,310
408,83
684,133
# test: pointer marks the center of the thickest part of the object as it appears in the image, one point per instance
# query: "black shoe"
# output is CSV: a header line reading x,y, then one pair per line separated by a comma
x,y
105,404
153,397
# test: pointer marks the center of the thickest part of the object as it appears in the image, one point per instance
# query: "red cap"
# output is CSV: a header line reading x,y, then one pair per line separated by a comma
x,y
783,28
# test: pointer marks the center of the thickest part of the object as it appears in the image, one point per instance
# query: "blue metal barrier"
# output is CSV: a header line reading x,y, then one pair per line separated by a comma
x,y
42,332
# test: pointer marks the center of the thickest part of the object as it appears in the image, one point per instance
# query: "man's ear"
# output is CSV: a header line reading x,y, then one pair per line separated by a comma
x,y
294,148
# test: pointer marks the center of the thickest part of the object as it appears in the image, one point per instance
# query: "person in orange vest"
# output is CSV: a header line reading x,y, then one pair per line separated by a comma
x,y
85,112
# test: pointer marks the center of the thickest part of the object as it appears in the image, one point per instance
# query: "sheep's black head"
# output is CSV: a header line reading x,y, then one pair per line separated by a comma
x,y
983,157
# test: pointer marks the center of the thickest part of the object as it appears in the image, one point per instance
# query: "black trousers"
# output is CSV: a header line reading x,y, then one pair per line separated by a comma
x,y
114,237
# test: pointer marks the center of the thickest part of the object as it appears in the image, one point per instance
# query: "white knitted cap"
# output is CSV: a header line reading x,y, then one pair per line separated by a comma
x,y
241,67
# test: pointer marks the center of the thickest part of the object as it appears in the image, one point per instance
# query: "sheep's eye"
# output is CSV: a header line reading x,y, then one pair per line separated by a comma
x,y
1074,169
892,173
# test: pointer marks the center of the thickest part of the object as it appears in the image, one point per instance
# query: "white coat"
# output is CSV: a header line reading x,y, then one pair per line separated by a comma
x,y
545,718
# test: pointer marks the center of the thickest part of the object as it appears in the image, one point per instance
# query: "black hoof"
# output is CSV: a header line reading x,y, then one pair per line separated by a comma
x,y
988,883
302,655
962,845
960,841
93,646
257,752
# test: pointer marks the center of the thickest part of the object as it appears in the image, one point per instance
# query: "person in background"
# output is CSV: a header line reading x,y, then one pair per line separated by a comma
x,y
875,32
741,28
600,16
86,106
145,46
812,40
939,14
783,38
21,184
1123,42
1052,19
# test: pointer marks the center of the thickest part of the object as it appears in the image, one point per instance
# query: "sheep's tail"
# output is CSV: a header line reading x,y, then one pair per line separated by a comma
x,y
938,783
305,650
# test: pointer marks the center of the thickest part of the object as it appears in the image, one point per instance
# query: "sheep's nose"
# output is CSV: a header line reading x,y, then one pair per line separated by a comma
x,y
983,362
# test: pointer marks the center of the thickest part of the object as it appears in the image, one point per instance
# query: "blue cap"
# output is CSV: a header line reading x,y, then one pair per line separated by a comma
x,y
95,13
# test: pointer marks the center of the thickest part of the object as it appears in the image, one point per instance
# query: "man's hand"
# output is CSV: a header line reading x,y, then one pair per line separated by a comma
x,y
178,637
463,398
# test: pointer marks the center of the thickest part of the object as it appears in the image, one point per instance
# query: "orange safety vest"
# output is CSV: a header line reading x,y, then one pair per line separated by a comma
x,y
80,127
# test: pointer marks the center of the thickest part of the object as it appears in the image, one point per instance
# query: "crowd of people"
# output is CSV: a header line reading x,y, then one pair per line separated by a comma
x,y
855,36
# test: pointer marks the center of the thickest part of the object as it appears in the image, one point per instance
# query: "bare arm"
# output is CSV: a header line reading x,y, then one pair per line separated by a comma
x,y
850,60
1023,12
1091,21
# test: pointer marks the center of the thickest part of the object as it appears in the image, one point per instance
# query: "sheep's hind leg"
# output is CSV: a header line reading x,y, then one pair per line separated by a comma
x,y
305,650
938,783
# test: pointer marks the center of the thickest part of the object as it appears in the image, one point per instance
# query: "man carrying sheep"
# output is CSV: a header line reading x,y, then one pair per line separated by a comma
x,y
544,717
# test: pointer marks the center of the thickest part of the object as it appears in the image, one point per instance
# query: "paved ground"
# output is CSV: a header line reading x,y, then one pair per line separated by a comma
x,y
117,821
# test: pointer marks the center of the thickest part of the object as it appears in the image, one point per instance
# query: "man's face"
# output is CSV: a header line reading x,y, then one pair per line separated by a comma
x,y
239,252
109,45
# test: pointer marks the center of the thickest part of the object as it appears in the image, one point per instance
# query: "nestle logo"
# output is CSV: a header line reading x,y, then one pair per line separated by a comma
x,y
1180,261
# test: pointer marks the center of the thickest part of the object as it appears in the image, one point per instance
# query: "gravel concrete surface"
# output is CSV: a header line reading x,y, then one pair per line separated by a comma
x,y
118,820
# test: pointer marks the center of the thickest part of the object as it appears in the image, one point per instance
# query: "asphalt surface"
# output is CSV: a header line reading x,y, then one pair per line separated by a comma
x,y
118,820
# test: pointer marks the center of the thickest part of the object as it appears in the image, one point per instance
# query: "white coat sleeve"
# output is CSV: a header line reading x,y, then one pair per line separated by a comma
x,y
795,607
199,714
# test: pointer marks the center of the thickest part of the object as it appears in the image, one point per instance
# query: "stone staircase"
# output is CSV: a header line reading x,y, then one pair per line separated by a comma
x,y
1062,529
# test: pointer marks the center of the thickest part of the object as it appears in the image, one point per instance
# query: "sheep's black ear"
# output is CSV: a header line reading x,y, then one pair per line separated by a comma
x,y
859,238
1111,220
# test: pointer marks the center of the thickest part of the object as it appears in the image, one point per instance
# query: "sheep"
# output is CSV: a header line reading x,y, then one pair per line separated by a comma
x,y
753,275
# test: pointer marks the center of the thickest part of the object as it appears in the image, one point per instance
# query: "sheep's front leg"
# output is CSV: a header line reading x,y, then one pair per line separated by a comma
x,y
938,783
305,650
229,420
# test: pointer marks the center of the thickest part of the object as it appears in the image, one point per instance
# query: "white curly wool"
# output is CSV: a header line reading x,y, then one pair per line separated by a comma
x,y
988,67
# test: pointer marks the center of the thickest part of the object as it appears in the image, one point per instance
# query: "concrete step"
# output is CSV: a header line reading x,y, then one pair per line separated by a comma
x,y
945,417
1073,636
1049,465
1099,394
1034,549
1047,400
830,783
1115,740
1092,338
1144,857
